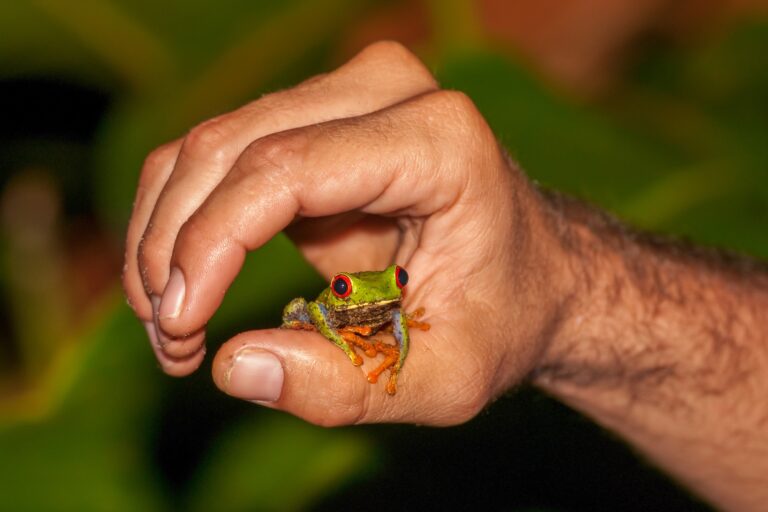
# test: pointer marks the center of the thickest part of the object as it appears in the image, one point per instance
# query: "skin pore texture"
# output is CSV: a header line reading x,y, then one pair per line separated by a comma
x,y
372,165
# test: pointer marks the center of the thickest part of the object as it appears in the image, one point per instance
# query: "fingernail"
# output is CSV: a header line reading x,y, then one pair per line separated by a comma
x,y
161,339
173,296
152,333
255,375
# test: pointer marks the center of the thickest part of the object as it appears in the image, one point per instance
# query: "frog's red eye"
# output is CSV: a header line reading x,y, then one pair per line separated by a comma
x,y
341,286
401,277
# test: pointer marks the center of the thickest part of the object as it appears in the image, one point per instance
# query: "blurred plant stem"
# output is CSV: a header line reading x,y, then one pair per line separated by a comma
x,y
127,47
34,266
248,63
456,26
683,190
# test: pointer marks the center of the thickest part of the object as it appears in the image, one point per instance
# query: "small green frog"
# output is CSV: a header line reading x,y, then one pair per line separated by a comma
x,y
358,305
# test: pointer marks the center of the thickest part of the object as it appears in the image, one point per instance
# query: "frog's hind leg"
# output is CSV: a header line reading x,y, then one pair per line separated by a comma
x,y
394,356
400,332
318,314
391,356
296,316
350,334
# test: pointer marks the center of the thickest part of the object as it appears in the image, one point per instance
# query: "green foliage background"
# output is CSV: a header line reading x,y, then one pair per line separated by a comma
x,y
681,147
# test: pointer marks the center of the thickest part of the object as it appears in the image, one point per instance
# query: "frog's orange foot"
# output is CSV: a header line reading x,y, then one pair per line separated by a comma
x,y
391,356
411,320
417,313
362,330
392,384
354,339
415,324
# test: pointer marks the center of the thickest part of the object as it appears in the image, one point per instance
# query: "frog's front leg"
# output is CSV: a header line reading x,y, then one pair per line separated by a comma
x,y
296,316
318,314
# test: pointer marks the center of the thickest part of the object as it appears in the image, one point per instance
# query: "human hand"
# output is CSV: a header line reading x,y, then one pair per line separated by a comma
x,y
367,165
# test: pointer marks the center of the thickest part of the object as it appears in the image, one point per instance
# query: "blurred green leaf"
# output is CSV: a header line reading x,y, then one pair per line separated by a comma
x,y
240,72
711,100
270,278
81,444
280,463
716,196
124,44
557,143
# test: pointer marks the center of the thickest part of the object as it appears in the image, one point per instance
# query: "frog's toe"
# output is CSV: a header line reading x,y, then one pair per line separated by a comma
x,y
298,325
418,312
392,355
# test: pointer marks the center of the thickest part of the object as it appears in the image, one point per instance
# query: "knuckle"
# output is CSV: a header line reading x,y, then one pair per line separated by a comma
x,y
155,161
208,140
400,60
281,151
463,121
457,103
387,49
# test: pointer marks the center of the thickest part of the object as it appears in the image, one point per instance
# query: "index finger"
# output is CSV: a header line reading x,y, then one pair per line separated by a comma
x,y
406,160
179,178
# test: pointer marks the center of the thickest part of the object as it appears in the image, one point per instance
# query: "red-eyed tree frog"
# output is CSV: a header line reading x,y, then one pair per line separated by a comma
x,y
356,306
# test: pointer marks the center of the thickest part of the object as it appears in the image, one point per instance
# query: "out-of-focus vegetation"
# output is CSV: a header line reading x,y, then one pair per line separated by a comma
x,y
87,422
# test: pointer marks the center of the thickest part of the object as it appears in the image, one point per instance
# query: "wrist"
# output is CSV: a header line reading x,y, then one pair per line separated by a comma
x,y
654,325
614,338
593,287
665,344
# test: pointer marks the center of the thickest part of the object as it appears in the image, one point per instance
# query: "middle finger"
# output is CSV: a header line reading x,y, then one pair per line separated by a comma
x,y
382,75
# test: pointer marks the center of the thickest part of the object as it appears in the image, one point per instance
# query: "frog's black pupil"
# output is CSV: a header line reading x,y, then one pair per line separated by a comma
x,y
340,286
402,277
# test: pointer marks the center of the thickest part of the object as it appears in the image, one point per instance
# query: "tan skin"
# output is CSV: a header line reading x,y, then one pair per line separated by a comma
x,y
373,163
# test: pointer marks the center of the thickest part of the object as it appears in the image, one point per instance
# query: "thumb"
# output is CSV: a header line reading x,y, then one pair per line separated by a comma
x,y
295,371
302,373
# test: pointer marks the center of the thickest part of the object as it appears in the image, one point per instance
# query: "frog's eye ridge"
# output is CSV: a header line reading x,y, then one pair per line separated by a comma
x,y
401,277
341,286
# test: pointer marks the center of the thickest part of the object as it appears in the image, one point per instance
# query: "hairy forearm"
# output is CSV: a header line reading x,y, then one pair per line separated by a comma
x,y
668,346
